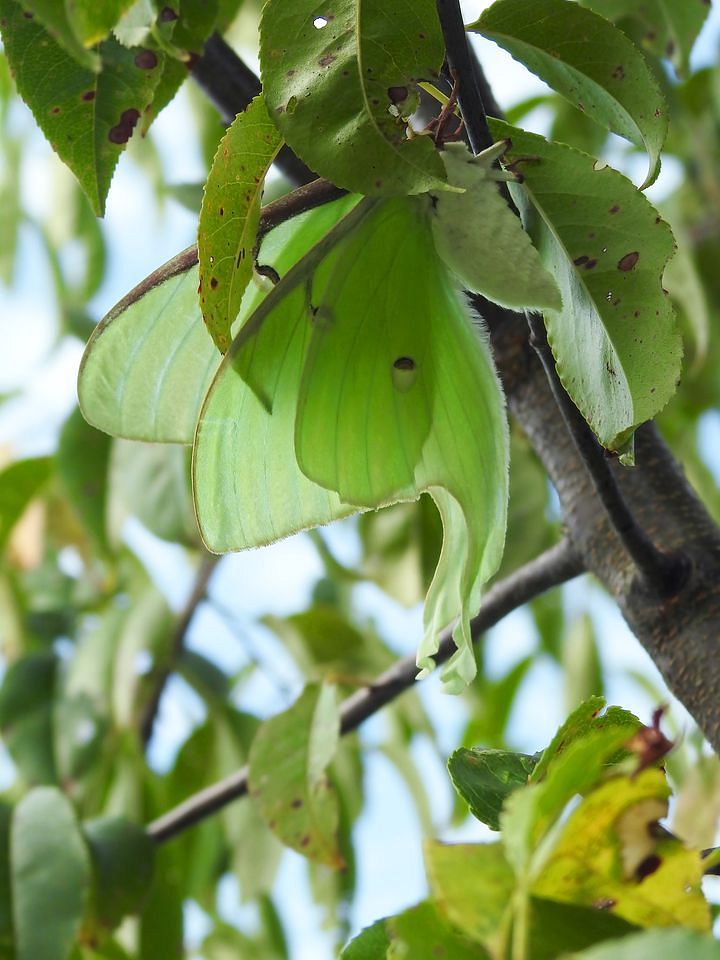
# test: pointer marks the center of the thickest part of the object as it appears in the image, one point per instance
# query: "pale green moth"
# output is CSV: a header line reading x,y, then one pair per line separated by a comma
x,y
480,238
360,381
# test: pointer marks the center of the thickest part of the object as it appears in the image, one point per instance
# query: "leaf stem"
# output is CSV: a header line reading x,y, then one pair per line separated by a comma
x,y
553,567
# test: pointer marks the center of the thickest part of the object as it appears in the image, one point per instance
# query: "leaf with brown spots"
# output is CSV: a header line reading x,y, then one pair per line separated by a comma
x,y
615,341
88,117
588,61
336,76
669,28
230,215
608,849
288,778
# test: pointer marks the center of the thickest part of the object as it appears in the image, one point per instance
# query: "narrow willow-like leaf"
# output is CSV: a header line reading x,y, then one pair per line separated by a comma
x,y
149,362
615,341
82,466
481,239
19,483
607,851
230,215
87,117
667,27
372,328
588,61
337,75
51,875
288,781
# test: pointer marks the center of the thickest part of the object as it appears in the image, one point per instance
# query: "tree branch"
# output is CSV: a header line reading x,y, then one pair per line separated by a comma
x,y
177,643
557,565
461,68
662,573
230,85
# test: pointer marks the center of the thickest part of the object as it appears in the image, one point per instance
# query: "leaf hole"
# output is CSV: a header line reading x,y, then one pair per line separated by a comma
x,y
319,23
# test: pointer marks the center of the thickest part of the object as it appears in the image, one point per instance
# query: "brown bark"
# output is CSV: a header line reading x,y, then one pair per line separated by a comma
x,y
680,632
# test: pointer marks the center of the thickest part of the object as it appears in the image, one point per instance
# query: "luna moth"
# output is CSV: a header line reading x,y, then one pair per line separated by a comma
x,y
481,240
362,380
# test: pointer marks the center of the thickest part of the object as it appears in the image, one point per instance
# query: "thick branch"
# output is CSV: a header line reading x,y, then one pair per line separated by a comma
x,y
557,565
230,84
177,643
661,573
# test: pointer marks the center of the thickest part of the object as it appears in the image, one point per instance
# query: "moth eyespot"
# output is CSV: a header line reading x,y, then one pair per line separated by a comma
x,y
404,363
404,373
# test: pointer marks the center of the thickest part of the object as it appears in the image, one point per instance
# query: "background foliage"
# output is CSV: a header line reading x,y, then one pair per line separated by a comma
x,y
139,670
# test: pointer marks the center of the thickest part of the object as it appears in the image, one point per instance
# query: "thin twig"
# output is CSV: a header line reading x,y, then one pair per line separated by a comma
x,y
230,84
553,567
664,574
177,643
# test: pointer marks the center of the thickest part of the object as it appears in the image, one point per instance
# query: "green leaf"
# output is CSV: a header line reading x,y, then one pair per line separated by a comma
x,y
585,719
608,852
87,117
340,77
26,701
529,814
142,650
581,662
7,938
230,216
51,875
668,28
658,944
396,359
372,943
122,858
149,362
482,240
608,248
82,466
53,16
485,778
288,780
588,61
161,921
11,213
423,934
556,927
472,884
401,546
93,20
420,933
19,483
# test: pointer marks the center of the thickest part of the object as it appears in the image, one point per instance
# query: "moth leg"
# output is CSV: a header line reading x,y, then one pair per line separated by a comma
x,y
439,124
